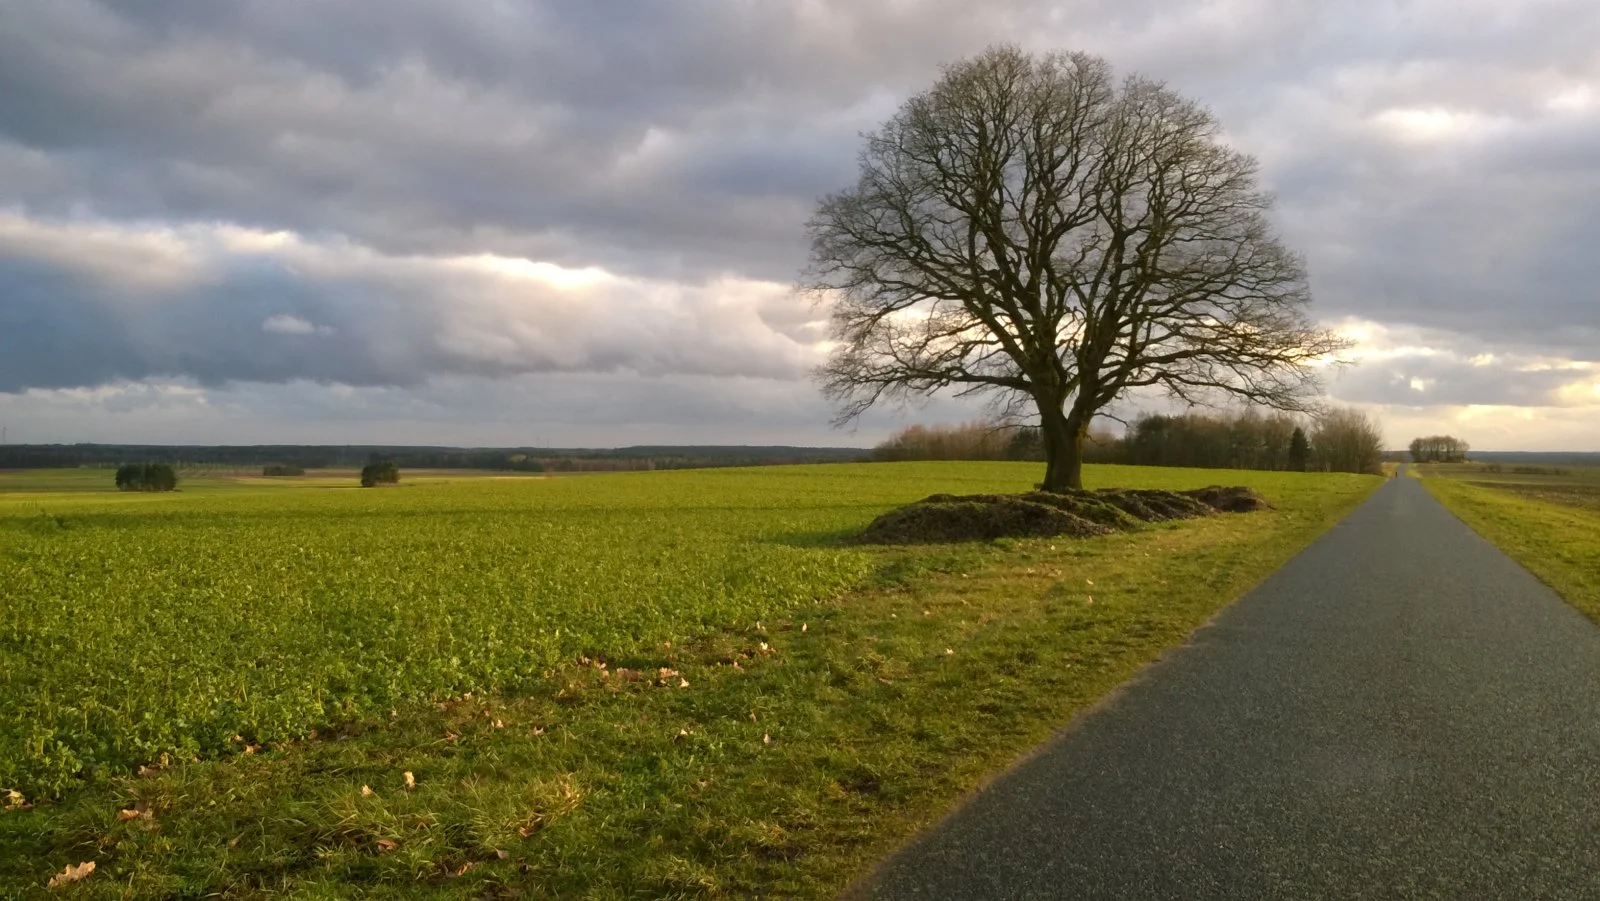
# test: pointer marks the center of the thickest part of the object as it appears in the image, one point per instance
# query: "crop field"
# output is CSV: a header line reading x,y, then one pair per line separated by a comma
x,y
194,686
1573,486
136,625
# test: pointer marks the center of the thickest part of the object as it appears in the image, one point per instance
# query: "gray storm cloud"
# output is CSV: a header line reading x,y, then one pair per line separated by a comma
x,y
278,310
1437,161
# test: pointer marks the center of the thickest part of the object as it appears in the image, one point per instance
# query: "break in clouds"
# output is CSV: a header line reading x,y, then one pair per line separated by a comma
x,y
457,223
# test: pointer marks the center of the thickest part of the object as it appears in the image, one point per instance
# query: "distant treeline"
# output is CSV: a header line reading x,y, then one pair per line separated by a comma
x,y
1438,449
966,441
516,459
1338,441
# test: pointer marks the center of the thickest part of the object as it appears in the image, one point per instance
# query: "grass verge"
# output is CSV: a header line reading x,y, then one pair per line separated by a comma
x,y
1558,542
765,758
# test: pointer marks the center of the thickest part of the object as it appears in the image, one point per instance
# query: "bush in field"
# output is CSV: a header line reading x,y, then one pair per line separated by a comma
x,y
146,477
381,473
283,469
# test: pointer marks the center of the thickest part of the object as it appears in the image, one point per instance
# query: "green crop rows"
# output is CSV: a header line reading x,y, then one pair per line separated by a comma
x,y
200,623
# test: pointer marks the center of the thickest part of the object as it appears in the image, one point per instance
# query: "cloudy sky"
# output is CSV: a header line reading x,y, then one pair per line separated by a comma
x,y
562,222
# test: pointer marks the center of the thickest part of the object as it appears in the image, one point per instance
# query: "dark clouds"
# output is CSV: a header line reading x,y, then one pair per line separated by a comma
x,y
1438,161
251,307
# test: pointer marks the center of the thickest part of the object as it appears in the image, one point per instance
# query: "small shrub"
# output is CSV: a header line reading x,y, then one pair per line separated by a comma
x,y
382,473
283,469
146,477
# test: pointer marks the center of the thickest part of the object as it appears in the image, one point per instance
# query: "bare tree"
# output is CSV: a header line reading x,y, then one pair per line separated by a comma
x,y
1348,440
1032,228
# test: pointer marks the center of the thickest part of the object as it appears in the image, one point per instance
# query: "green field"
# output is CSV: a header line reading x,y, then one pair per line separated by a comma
x,y
563,664
1545,517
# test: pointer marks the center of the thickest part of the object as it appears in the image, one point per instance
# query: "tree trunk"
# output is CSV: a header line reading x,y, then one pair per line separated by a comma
x,y
1063,448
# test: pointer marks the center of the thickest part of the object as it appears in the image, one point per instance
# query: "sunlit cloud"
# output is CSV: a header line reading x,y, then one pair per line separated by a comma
x,y
293,325
1435,124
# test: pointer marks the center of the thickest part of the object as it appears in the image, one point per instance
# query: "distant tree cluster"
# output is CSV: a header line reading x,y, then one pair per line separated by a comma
x,y
1337,441
1347,440
984,440
146,477
1439,449
1245,440
965,441
283,469
381,472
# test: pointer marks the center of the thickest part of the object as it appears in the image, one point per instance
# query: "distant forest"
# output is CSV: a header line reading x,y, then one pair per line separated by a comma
x,y
508,459
1337,441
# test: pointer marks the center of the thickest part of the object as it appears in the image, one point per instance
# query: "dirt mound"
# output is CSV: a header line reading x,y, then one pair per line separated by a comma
x,y
1075,514
1237,499
975,518
1092,507
1155,506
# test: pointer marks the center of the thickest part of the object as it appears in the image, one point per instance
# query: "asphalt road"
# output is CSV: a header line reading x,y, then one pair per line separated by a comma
x,y
1399,712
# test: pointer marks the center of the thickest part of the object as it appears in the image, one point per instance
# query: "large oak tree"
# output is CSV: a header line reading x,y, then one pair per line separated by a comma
x,y
1033,227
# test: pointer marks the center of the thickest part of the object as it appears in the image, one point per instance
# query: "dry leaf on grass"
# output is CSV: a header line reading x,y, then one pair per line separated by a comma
x,y
385,845
366,791
411,781
73,873
126,815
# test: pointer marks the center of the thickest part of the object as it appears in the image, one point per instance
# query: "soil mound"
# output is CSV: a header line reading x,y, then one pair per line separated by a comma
x,y
945,518
975,518
1230,500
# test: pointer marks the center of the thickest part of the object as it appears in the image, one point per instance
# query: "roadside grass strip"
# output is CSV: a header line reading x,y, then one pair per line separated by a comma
x,y
1556,539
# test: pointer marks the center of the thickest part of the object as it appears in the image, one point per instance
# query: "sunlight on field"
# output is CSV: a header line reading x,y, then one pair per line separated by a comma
x,y
142,624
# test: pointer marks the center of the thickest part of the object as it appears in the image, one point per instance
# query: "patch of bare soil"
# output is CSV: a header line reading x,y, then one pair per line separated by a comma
x,y
944,518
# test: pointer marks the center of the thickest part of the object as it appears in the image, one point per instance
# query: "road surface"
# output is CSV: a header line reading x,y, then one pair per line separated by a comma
x,y
1399,712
